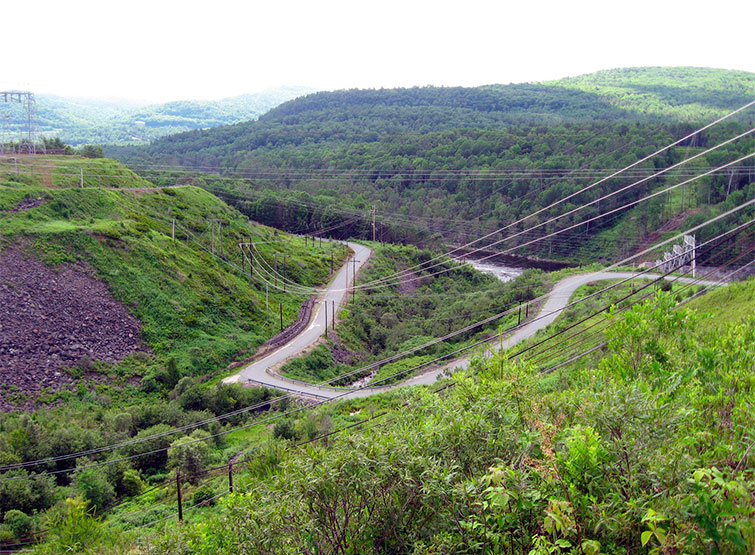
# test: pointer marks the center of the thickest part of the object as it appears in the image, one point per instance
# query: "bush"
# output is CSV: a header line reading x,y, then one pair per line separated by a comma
x,y
19,523
284,429
153,461
188,455
202,494
94,488
131,483
31,494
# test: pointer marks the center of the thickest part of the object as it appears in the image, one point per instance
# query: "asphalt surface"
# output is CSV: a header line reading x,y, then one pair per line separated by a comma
x,y
257,372
555,303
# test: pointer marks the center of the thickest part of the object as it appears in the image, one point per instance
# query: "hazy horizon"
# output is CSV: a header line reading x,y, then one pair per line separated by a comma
x,y
157,52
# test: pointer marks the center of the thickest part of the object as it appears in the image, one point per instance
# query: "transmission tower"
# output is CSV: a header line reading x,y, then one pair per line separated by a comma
x,y
18,119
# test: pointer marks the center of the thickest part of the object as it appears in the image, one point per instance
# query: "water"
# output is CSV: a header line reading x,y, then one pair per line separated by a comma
x,y
504,273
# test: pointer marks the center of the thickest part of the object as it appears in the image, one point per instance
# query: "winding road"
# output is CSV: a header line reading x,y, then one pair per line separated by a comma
x,y
259,371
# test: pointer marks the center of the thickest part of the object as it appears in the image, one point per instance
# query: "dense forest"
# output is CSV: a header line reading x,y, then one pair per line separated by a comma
x,y
448,164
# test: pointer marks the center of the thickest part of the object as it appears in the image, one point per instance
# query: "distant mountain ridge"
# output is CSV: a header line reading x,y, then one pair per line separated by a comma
x,y
650,95
78,121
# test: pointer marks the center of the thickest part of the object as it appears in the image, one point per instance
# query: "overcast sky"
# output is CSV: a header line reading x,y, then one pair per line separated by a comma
x,y
168,50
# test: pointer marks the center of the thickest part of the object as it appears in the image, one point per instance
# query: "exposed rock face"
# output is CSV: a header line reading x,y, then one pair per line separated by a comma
x,y
50,319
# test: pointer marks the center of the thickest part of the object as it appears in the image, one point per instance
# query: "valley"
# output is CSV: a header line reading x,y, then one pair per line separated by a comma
x,y
438,320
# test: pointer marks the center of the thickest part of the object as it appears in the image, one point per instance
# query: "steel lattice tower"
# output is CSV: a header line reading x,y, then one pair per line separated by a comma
x,y
20,122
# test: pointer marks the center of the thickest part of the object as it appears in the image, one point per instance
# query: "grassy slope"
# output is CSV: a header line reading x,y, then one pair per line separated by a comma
x,y
193,307
68,171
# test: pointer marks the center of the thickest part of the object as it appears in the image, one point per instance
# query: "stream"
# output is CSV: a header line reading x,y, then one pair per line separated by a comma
x,y
504,273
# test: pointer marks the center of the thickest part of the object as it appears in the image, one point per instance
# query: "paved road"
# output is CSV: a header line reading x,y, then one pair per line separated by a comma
x,y
555,303
258,370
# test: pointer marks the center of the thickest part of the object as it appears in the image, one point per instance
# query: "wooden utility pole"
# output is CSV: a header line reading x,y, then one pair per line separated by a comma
x,y
283,277
374,234
230,476
331,262
280,309
326,318
334,315
178,494
354,282
212,237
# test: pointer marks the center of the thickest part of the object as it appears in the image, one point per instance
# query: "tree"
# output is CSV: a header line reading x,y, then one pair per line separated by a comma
x,y
92,151
94,487
188,455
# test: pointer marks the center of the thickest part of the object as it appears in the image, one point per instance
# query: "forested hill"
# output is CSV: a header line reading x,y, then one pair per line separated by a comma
x,y
637,95
80,121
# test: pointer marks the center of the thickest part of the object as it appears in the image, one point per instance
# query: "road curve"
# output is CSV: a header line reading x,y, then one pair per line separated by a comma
x,y
554,304
257,372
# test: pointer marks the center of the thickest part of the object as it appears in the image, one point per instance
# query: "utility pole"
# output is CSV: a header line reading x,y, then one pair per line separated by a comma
x,y
333,317
173,230
283,277
280,310
212,237
178,493
331,262
267,307
374,234
354,283
326,318
230,476
214,221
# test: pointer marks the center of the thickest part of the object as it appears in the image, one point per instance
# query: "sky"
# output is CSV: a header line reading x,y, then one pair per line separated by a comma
x,y
169,50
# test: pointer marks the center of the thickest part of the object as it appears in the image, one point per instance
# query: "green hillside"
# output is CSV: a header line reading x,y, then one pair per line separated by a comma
x,y
194,306
90,121
110,324
668,92
365,116
644,447
447,164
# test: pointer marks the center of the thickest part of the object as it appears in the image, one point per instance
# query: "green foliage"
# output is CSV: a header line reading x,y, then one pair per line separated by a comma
x,y
189,455
19,523
284,429
94,488
74,529
447,163
91,151
615,458
203,494
29,494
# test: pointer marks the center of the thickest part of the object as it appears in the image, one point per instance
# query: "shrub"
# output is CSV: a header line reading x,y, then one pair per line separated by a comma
x,y
94,488
203,494
19,523
284,429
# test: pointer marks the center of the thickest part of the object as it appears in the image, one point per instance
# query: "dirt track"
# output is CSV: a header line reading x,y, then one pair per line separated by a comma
x,y
49,320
